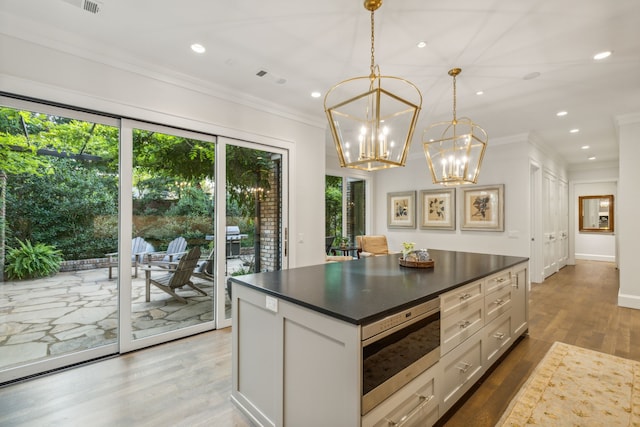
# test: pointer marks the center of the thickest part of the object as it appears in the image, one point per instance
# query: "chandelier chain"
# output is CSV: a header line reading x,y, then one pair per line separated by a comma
x,y
372,44
454,99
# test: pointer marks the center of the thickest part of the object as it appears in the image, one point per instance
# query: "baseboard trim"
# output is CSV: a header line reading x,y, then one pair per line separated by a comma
x,y
590,257
629,301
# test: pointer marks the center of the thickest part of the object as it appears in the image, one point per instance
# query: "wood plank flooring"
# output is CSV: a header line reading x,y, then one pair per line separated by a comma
x,y
188,382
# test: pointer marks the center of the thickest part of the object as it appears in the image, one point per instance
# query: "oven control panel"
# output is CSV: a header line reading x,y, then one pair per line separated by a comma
x,y
389,322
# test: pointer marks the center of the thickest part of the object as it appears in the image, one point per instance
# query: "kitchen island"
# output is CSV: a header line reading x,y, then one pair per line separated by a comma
x,y
297,352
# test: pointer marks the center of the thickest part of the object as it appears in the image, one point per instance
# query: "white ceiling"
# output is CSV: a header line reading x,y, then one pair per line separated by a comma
x,y
313,45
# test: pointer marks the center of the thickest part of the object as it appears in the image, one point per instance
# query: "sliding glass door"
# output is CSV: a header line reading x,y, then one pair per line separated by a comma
x,y
58,218
168,272
114,235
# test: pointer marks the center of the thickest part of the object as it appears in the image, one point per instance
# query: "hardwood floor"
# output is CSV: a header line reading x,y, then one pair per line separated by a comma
x,y
187,382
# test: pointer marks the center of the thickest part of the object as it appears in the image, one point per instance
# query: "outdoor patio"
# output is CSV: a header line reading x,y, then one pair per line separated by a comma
x,y
77,310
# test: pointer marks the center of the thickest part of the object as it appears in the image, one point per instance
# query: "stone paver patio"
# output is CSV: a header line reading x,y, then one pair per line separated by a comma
x,y
74,311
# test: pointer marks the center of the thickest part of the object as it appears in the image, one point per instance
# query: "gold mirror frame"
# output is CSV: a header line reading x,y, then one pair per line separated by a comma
x,y
595,214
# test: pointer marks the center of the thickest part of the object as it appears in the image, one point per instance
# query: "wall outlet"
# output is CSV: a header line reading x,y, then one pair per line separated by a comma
x,y
272,304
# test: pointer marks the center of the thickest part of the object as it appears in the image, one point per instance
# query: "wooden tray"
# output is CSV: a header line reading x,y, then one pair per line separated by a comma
x,y
416,264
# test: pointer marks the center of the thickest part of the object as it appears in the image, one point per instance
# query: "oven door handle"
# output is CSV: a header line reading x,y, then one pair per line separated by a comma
x,y
422,402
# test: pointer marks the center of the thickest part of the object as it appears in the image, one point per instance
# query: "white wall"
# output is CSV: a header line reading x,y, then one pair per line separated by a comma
x,y
506,162
628,207
594,246
33,70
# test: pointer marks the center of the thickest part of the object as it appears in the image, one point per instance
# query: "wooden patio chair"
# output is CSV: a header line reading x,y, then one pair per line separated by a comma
x,y
177,248
139,247
176,278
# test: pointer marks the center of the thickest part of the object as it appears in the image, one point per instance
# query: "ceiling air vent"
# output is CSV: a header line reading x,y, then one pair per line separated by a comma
x,y
271,77
88,5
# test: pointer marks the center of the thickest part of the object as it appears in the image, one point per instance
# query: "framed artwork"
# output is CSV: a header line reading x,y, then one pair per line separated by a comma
x,y
483,208
401,210
438,209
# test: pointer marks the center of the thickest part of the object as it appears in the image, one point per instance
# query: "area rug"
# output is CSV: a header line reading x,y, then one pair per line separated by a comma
x,y
573,386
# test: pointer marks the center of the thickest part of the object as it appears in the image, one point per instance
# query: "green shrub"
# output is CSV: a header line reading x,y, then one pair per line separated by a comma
x,y
32,261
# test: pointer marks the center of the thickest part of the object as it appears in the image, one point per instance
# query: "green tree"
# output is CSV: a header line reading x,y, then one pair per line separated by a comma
x,y
70,207
333,205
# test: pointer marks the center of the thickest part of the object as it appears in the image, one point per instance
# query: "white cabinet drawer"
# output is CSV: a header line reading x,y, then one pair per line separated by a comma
x,y
462,367
457,300
457,328
497,281
416,404
497,303
497,338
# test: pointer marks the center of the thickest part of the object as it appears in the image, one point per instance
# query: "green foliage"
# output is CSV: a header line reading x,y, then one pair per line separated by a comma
x,y
62,184
333,205
32,261
248,172
193,202
164,155
71,207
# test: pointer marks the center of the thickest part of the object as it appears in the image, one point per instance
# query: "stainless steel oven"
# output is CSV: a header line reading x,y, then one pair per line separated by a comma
x,y
398,348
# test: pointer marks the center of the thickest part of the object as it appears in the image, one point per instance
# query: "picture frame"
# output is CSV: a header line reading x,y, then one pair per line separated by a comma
x,y
483,208
438,209
401,209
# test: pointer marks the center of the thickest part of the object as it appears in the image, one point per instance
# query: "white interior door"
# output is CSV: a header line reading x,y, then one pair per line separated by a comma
x,y
550,223
535,253
563,222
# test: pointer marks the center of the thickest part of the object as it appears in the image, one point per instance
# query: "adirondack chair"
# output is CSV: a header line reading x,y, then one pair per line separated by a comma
x,y
177,247
139,247
175,278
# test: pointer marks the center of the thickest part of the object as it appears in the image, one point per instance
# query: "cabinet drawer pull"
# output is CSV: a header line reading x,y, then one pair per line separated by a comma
x,y
499,335
500,279
464,324
422,402
464,367
465,296
499,301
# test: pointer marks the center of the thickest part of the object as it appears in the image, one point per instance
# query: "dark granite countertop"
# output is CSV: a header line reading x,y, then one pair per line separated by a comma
x,y
368,289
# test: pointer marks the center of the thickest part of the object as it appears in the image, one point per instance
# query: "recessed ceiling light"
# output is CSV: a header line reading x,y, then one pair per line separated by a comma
x,y
592,158
316,94
585,147
531,76
421,44
198,48
561,113
574,130
480,92
602,55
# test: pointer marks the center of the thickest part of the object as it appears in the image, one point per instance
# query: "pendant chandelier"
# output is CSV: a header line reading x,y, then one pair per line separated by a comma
x,y
372,118
454,149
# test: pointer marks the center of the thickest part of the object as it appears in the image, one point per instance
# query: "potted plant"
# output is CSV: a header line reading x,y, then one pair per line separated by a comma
x,y
344,242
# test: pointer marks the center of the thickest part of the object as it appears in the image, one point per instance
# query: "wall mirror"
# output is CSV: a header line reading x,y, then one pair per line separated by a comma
x,y
596,214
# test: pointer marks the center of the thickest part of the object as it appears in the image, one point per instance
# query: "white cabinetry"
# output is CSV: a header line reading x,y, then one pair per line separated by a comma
x,y
415,405
461,368
520,308
286,353
479,323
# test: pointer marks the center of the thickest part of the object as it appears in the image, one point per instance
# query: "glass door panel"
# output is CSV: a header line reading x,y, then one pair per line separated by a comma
x,y
59,219
255,206
356,207
172,239
333,211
